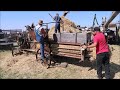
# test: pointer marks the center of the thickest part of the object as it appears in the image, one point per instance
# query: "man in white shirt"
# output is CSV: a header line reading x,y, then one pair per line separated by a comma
x,y
39,32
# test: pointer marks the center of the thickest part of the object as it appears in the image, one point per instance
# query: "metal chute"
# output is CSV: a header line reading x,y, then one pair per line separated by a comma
x,y
114,14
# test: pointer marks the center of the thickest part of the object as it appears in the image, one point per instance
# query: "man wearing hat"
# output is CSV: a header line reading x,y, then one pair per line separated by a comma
x,y
39,32
57,18
102,51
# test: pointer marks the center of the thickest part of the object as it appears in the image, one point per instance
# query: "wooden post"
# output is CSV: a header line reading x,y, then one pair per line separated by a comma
x,y
82,54
94,53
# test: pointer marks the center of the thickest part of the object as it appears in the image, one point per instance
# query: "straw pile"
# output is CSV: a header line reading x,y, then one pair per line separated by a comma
x,y
26,67
68,26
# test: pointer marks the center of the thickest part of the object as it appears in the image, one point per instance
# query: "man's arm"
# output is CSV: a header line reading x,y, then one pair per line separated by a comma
x,y
95,41
54,18
90,46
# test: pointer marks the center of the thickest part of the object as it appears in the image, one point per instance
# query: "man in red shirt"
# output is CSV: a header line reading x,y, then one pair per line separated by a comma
x,y
102,51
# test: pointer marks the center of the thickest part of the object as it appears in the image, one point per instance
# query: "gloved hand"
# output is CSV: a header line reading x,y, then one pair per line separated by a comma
x,y
84,46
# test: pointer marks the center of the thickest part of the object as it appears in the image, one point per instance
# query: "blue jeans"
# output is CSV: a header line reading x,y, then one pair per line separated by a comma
x,y
42,47
57,28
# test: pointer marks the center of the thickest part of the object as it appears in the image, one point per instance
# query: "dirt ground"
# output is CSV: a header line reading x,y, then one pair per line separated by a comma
x,y
26,67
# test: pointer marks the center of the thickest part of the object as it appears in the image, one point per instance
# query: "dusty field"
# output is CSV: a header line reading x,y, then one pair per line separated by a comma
x,y
23,66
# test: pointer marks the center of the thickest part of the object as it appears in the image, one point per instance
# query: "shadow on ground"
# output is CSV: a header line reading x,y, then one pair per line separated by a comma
x,y
114,68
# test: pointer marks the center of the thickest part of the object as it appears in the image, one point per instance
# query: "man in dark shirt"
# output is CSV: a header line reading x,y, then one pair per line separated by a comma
x,y
57,19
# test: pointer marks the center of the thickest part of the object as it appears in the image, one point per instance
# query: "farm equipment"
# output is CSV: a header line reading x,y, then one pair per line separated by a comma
x,y
111,35
110,30
5,43
63,44
70,45
27,43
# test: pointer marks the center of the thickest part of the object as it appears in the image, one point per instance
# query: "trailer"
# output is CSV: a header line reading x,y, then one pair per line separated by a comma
x,y
69,45
62,44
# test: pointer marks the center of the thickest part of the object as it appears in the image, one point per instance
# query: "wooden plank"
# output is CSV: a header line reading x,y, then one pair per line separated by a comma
x,y
67,55
58,49
82,54
29,50
94,52
67,51
66,43
65,46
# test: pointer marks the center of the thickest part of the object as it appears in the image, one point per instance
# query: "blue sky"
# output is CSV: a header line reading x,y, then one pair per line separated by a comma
x,y
18,19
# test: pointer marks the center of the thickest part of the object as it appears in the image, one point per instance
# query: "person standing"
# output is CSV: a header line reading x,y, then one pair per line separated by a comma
x,y
40,34
57,19
102,51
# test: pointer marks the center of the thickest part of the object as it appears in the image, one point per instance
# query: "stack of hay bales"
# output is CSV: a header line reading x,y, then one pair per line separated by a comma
x,y
68,27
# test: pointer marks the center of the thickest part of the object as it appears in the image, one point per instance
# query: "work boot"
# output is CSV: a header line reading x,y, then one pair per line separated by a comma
x,y
42,62
100,77
45,62
107,77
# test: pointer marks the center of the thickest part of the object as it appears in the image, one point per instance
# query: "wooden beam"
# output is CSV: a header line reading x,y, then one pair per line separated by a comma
x,y
114,14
